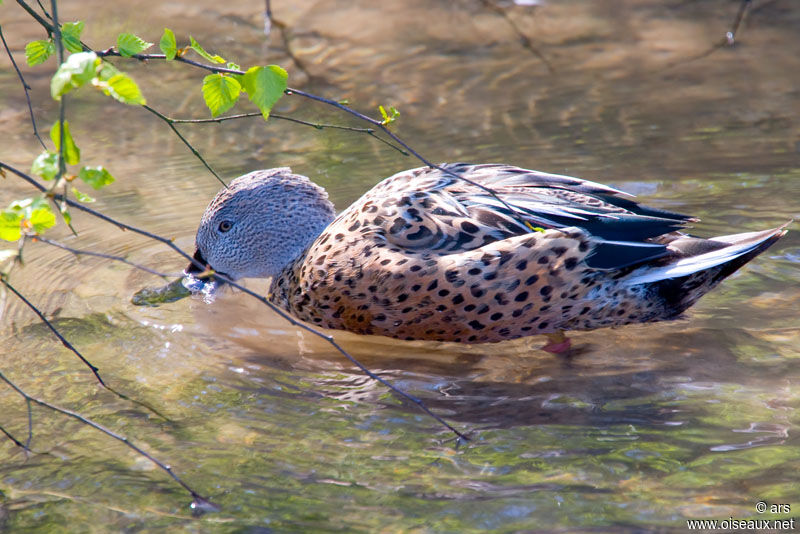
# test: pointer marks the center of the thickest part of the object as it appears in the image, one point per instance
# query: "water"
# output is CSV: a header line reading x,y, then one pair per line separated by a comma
x,y
644,427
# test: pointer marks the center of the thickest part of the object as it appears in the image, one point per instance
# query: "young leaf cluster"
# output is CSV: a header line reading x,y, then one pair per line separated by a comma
x,y
264,85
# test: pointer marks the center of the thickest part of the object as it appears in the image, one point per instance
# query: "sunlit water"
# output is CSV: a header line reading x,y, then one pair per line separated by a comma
x,y
642,428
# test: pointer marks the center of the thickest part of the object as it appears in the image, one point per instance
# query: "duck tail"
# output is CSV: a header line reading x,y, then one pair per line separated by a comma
x,y
702,264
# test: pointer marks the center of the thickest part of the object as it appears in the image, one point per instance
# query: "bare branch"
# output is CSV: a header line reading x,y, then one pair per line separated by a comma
x,y
17,442
26,87
62,339
80,252
185,142
199,503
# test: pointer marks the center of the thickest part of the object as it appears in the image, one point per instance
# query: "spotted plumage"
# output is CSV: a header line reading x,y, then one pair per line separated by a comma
x,y
428,255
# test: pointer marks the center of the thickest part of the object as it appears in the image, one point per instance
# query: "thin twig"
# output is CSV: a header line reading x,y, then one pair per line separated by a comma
x,y
95,370
316,125
53,329
730,36
26,87
62,165
199,502
273,307
525,41
185,142
17,442
81,252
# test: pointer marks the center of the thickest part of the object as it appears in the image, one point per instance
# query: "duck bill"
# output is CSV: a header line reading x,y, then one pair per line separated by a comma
x,y
197,279
199,265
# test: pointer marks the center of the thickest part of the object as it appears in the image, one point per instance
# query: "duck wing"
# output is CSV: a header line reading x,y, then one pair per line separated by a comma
x,y
429,209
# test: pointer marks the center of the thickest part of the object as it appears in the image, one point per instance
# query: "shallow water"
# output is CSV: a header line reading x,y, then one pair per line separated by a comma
x,y
643,428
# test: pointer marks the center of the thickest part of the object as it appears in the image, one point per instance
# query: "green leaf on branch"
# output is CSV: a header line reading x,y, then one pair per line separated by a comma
x,y
78,69
265,86
45,165
220,93
199,49
118,85
71,36
72,154
10,222
388,116
97,177
168,45
42,218
82,197
123,88
129,44
37,52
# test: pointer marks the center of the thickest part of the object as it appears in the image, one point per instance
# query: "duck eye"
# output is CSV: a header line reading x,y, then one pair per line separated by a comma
x,y
224,226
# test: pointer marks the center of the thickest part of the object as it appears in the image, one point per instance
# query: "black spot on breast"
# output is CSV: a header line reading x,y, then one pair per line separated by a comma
x,y
413,268
543,325
522,265
496,316
546,290
483,309
458,299
474,271
354,226
402,298
584,246
469,307
570,263
501,299
490,276
543,260
477,325
558,251
522,297
386,262
444,292
477,291
505,257
433,285
532,280
416,287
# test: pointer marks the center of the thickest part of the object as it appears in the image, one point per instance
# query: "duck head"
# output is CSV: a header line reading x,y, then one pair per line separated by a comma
x,y
259,224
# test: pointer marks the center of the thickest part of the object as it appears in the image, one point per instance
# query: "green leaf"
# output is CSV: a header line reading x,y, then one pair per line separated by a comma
x,y
71,36
10,225
82,197
129,44
265,86
220,93
78,69
37,52
42,218
199,49
45,165
72,154
388,116
168,45
123,88
97,177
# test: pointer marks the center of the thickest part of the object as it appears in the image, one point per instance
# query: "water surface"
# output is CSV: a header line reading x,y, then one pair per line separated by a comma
x,y
644,427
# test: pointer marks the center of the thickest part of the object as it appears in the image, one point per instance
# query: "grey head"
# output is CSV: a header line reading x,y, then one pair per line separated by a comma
x,y
260,223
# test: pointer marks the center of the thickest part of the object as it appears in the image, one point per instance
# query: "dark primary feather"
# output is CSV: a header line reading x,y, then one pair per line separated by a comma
x,y
426,208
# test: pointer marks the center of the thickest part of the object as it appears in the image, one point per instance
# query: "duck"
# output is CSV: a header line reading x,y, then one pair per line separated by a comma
x,y
464,253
